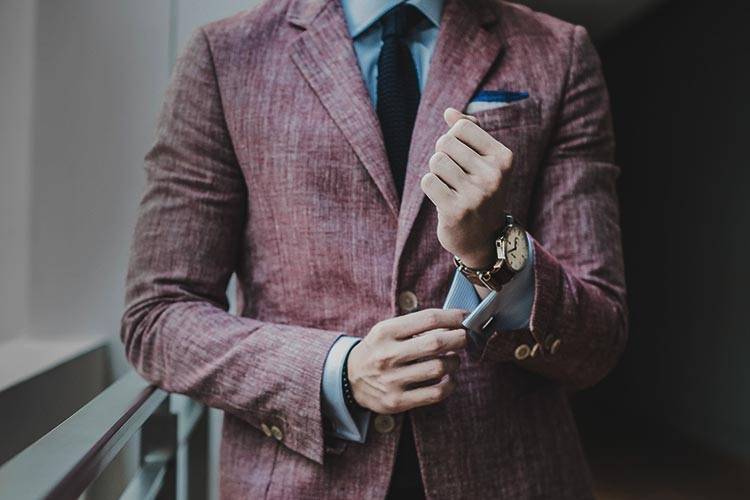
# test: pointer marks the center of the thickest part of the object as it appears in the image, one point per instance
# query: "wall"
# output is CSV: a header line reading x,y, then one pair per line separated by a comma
x,y
102,68
17,22
81,83
679,82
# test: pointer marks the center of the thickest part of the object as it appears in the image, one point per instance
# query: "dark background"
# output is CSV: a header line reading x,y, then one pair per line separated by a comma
x,y
678,405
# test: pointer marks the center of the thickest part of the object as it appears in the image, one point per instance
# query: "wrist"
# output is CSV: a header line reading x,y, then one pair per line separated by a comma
x,y
482,258
346,381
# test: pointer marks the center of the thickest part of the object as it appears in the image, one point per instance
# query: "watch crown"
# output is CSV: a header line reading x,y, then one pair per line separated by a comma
x,y
500,248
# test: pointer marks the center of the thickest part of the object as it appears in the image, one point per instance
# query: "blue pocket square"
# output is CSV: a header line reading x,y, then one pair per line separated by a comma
x,y
490,99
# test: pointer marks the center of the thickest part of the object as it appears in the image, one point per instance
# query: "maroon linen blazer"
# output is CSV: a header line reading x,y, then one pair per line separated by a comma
x,y
269,163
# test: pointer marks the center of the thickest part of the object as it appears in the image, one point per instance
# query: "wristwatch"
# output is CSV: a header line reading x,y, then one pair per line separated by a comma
x,y
512,254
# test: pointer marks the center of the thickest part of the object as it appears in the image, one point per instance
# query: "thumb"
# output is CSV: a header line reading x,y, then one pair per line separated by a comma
x,y
452,115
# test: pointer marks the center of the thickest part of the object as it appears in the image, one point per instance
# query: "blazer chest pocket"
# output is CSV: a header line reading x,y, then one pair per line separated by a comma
x,y
525,113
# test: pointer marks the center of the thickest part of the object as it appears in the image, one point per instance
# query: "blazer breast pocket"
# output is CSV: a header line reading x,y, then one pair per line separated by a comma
x,y
525,113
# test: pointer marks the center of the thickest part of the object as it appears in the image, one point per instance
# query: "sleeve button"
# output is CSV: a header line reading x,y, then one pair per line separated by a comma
x,y
266,430
555,346
548,342
535,350
522,352
276,433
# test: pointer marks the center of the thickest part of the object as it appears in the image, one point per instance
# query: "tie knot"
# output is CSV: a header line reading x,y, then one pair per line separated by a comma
x,y
400,20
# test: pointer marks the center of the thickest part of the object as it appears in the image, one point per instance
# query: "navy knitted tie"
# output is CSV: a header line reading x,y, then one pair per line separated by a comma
x,y
398,88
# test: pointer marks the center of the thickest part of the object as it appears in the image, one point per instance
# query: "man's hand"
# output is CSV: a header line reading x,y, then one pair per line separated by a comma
x,y
465,183
407,361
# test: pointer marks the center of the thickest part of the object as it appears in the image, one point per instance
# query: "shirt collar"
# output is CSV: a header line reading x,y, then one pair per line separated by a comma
x,y
361,14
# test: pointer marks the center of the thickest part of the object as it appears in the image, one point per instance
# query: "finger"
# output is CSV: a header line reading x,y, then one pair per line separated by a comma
x,y
431,394
466,158
452,115
439,193
426,320
424,371
430,345
449,172
475,137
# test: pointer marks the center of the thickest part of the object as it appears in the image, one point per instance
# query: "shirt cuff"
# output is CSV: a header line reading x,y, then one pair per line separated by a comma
x,y
348,425
462,294
508,309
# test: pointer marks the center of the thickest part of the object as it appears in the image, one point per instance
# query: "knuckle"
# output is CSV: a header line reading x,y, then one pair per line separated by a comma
x,y
436,394
494,181
507,158
377,330
388,379
436,159
498,151
460,341
486,193
435,344
442,142
427,180
383,330
380,362
432,319
391,402
463,126
438,369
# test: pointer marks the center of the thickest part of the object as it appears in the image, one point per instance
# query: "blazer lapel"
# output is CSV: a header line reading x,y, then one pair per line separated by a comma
x,y
325,57
466,50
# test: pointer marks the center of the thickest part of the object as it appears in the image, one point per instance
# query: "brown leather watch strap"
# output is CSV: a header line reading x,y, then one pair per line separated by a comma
x,y
494,278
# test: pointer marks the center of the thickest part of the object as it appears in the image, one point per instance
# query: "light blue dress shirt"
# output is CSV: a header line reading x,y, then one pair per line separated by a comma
x,y
511,307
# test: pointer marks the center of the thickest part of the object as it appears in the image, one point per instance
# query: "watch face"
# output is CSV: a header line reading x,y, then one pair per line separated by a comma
x,y
516,248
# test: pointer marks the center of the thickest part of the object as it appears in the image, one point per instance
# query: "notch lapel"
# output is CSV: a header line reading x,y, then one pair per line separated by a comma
x,y
466,50
325,56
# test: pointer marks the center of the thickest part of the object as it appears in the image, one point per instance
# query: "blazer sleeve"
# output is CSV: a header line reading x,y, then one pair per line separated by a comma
x,y
176,328
578,323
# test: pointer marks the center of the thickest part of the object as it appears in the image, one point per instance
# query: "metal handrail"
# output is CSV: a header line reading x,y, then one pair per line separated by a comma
x,y
67,460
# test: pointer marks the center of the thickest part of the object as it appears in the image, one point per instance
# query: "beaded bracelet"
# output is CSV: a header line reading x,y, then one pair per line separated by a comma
x,y
351,403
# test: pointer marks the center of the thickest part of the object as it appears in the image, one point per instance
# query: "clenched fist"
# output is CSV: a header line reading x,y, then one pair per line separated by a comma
x,y
466,184
407,361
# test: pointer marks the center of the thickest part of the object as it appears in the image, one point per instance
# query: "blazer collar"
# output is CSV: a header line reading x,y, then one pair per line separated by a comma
x,y
324,55
302,12
468,45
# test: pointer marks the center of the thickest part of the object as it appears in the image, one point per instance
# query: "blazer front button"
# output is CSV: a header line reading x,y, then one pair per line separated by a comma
x,y
522,352
407,301
384,424
276,433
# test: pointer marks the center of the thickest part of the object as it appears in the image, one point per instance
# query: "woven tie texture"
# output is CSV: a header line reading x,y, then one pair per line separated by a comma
x,y
397,88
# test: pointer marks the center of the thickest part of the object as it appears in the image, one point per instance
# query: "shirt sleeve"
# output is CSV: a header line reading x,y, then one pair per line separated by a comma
x,y
508,309
345,424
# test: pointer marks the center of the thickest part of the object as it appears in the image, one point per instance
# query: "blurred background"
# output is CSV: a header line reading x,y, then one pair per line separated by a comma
x,y
81,83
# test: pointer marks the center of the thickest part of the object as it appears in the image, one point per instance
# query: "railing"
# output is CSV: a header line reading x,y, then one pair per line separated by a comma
x,y
65,463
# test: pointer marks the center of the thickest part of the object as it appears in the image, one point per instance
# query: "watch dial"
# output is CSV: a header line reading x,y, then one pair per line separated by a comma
x,y
516,248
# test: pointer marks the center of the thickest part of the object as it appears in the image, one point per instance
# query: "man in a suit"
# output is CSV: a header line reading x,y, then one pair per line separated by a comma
x,y
418,201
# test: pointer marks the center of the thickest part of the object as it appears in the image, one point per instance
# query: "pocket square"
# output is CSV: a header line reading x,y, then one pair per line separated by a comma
x,y
485,100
